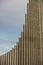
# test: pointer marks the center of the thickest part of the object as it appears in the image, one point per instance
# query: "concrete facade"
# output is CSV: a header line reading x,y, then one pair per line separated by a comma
x,y
29,48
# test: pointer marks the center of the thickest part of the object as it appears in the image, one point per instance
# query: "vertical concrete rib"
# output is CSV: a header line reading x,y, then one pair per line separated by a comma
x,y
20,52
6,58
15,55
22,48
13,52
24,44
10,57
1,59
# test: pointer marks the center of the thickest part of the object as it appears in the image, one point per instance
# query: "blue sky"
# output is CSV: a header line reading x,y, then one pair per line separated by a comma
x,y
12,18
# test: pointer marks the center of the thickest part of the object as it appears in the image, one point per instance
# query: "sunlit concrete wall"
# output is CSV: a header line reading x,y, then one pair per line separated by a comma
x,y
34,33
29,48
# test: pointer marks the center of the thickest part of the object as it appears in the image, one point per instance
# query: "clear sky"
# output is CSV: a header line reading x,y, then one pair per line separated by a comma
x,y
12,17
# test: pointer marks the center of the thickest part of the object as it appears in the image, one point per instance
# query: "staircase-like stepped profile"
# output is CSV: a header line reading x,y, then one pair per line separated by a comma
x,y
29,48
